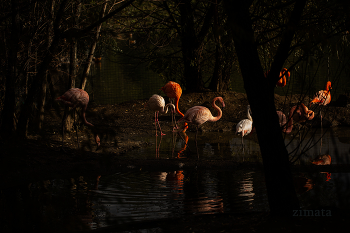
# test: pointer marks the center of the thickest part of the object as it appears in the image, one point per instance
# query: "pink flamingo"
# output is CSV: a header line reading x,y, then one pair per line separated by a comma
x,y
157,104
76,97
198,115
323,97
245,126
298,113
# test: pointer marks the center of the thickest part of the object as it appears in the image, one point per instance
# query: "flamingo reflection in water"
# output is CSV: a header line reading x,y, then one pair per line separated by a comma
x,y
324,160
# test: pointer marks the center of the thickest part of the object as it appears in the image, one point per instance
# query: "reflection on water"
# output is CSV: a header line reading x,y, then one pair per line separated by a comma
x,y
81,203
92,202
227,146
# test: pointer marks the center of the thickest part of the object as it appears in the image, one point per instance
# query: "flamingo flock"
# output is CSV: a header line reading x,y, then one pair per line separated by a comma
x,y
198,115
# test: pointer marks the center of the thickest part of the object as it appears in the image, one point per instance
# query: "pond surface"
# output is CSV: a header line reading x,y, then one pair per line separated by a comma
x,y
93,202
227,145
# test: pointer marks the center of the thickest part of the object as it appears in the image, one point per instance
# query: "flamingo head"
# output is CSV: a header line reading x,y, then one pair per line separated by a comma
x,y
221,101
329,86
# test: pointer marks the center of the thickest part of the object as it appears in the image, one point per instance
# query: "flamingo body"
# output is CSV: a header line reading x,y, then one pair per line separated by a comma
x,y
245,126
298,113
198,115
283,79
76,97
323,160
323,97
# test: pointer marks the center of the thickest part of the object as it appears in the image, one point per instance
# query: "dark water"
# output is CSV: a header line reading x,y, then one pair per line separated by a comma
x,y
223,146
91,202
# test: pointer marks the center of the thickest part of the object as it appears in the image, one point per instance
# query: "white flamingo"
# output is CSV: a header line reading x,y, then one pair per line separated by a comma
x,y
157,104
245,126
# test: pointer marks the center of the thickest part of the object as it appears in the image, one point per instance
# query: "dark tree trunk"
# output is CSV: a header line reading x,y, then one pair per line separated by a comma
x,y
8,112
260,92
190,48
38,80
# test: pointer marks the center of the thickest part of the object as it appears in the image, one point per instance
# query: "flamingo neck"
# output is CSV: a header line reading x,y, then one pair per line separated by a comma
x,y
329,85
218,109
84,119
167,107
249,116
177,106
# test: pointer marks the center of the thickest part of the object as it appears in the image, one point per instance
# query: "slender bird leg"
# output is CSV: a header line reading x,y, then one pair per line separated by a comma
x,y
321,130
160,141
157,155
155,121
196,142
161,133
64,118
76,128
174,119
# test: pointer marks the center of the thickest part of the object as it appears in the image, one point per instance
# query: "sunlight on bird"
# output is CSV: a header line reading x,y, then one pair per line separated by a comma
x,y
198,115
173,91
157,104
244,127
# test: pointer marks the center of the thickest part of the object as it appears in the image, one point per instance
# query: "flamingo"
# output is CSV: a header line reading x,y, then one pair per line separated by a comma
x,y
245,126
76,97
283,80
173,91
323,97
298,113
323,160
157,104
198,115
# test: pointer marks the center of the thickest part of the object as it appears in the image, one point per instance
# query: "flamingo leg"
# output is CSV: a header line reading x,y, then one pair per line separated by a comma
x,y
155,121
321,129
161,133
157,155
76,128
196,143
64,118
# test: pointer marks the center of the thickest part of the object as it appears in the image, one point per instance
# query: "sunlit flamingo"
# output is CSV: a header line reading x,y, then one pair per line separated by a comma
x,y
173,91
283,79
198,115
298,113
245,126
76,97
157,104
323,97
323,160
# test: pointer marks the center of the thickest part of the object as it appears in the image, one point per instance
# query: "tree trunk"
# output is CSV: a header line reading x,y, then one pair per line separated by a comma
x,y
279,181
191,49
8,112
38,80
92,50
